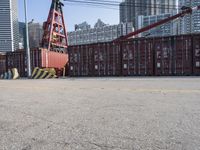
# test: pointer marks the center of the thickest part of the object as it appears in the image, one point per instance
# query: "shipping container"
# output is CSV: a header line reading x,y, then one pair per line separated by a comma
x,y
145,57
173,55
102,59
39,58
17,60
163,58
129,58
74,61
114,59
182,54
196,55
3,67
160,56
137,57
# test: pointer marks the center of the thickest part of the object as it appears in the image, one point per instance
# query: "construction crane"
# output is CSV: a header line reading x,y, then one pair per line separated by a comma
x,y
55,34
185,11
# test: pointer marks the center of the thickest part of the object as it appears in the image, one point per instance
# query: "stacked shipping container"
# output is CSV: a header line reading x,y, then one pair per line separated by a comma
x,y
160,56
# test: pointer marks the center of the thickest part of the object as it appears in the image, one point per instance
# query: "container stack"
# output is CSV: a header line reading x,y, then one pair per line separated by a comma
x,y
156,56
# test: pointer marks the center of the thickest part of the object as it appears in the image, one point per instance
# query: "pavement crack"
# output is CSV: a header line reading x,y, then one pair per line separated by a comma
x,y
103,146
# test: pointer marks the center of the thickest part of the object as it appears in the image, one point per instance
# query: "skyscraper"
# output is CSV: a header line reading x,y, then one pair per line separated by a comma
x,y
131,9
9,28
35,34
157,7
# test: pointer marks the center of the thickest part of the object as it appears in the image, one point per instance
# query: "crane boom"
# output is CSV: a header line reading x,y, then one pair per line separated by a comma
x,y
188,10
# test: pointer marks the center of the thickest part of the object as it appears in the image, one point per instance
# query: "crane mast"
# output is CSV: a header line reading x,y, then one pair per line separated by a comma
x,y
55,34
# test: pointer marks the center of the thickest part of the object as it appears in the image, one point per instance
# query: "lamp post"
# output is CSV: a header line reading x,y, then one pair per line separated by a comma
x,y
27,42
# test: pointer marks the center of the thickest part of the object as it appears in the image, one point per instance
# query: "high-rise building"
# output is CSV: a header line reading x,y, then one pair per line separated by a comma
x,y
190,23
157,7
22,35
35,34
100,33
169,28
131,9
9,28
82,26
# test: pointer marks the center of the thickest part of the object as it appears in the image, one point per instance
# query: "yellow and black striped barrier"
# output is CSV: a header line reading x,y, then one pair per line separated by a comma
x,y
43,73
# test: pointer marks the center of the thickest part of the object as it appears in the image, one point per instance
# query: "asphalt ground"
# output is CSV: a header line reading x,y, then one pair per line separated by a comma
x,y
100,114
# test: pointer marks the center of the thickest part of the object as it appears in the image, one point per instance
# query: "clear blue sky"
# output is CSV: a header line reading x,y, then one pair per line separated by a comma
x,y
39,9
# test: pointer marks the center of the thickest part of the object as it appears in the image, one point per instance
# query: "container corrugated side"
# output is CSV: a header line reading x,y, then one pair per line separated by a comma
x,y
163,56
3,67
196,55
182,54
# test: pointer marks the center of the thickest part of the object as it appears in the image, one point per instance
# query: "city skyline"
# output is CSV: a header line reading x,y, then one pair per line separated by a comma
x,y
87,13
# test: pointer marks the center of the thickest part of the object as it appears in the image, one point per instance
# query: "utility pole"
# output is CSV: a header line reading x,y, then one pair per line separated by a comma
x,y
27,43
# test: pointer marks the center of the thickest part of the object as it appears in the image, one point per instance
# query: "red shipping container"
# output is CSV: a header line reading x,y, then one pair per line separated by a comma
x,y
102,59
51,59
17,60
113,59
196,54
39,58
182,54
163,56
137,57
145,57
3,67
129,58
74,61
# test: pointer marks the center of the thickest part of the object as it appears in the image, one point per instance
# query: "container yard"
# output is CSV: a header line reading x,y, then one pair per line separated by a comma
x,y
141,93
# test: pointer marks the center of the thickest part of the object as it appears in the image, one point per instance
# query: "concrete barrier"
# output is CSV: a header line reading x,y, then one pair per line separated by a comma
x,y
15,74
47,73
10,74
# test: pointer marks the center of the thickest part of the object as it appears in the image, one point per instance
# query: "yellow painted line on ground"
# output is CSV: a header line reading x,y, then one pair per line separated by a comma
x,y
27,88
141,90
166,90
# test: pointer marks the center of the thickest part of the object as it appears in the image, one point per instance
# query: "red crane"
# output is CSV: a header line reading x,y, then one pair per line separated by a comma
x,y
185,11
55,35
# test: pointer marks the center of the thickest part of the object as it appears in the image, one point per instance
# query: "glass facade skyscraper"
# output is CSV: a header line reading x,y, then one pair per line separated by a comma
x,y
9,27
